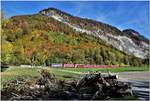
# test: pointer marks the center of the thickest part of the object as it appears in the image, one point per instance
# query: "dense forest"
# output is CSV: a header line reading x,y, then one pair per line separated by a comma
x,y
40,40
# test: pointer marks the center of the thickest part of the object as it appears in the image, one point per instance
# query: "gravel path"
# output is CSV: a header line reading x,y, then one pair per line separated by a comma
x,y
139,82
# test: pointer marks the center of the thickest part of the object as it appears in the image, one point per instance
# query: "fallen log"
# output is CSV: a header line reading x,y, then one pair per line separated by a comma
x,y
110,77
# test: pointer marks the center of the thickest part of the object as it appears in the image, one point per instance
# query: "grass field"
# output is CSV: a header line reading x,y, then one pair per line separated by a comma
x,y
64,73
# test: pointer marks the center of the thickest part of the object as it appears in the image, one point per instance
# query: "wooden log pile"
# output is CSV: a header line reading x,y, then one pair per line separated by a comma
x,y
47,87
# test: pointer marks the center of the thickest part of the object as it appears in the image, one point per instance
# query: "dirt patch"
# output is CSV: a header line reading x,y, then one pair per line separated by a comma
x,y
135,75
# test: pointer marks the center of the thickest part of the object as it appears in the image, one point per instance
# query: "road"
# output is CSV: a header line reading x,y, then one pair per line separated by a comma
x,y
139,82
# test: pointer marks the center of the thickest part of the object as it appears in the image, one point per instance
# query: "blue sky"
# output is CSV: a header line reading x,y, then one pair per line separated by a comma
x,y
121,14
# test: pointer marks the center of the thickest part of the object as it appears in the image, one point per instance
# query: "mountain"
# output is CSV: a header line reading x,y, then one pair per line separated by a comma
x,y
136,37
126,40
53,36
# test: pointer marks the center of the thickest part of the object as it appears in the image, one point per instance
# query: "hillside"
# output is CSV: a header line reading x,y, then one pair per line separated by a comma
x,y
105,32
40,40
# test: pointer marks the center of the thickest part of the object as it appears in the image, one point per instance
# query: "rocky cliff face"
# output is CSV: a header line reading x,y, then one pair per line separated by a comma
x,y
128,41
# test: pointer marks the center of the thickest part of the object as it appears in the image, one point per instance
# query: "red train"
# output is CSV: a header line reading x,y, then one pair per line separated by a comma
x,y
82,66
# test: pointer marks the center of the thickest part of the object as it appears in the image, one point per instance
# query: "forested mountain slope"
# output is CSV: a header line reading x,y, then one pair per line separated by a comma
x,y
110,34
39,40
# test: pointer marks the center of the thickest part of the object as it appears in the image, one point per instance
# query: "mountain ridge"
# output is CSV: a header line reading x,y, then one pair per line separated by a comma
x,y
103,31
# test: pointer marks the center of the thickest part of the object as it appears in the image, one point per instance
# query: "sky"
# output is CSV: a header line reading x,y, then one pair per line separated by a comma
x,y
121,14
